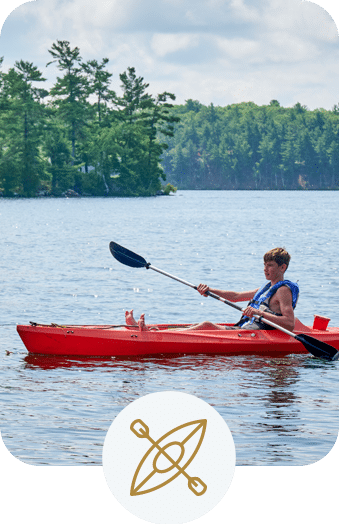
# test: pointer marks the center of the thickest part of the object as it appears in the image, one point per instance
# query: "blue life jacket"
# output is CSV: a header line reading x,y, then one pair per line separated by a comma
x,y
262,298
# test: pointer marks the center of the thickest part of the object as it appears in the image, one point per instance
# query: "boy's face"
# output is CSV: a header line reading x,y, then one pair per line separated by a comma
x,y
273,271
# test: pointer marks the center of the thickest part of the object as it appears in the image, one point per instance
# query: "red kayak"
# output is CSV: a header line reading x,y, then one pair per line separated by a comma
x,y
127,341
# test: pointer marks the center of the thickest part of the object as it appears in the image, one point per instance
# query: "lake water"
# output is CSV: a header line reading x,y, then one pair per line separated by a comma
x,y
56,267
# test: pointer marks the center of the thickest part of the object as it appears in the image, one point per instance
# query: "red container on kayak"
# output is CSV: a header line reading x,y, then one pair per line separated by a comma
x,y
320,322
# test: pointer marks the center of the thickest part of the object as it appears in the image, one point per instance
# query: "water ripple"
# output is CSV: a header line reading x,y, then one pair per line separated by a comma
x,y
56,267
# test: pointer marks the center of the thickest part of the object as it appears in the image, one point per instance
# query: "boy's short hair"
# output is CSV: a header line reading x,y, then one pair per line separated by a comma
x,y
278,255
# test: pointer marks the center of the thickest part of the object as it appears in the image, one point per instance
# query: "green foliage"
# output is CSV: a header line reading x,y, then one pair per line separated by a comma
x,y
169,188
245,146
69,94
81,136
98,84
22,120
85,138
125,151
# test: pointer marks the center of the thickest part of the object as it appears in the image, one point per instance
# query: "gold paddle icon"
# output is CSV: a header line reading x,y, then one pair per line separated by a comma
x,y
195,484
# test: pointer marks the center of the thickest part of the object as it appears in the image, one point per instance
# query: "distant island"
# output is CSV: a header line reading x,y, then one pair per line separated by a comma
x,y
81,139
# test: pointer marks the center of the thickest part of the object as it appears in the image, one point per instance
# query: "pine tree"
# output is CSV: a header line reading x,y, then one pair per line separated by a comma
x,y
22,166
70,92
98,84
142,120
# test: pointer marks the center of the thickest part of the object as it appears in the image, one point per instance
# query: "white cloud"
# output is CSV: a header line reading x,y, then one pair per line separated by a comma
x,y
305,19
213,50
317,22
291,49
244,12
163,44
239,48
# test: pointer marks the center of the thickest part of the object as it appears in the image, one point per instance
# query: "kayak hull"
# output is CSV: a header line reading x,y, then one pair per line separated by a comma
x,y
124,341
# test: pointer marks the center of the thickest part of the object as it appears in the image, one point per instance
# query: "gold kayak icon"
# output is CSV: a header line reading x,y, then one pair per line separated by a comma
x,y
168,457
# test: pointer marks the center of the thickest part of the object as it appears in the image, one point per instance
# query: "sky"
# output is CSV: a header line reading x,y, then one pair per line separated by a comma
x,y
214,51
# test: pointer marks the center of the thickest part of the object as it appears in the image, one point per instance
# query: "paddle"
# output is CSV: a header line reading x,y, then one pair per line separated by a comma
x,y
315,347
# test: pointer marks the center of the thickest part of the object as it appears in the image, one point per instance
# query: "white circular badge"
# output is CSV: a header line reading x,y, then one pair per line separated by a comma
x,y
169,457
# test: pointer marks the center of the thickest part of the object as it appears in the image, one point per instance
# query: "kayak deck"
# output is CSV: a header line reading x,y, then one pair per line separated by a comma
x,y
128,341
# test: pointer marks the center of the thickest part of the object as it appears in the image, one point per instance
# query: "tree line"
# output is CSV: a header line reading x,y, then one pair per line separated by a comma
x,y
80,135
245,146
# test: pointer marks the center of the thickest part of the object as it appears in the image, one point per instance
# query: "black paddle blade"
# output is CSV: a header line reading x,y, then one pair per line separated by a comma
x,y
318,348
126,257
